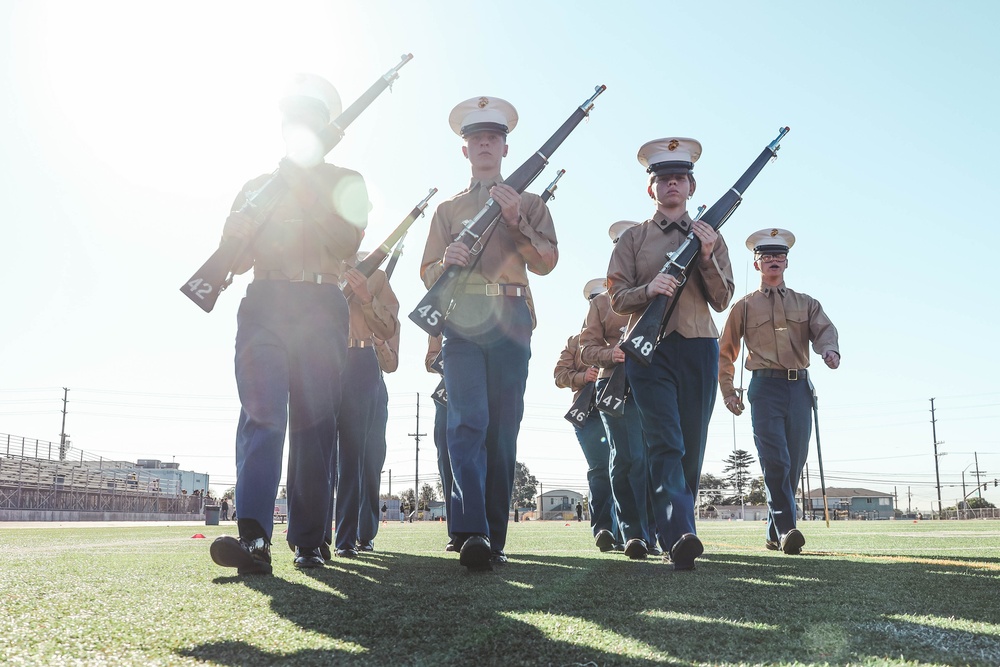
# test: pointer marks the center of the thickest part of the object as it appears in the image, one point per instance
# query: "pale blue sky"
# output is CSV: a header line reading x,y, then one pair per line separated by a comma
x,y
131,126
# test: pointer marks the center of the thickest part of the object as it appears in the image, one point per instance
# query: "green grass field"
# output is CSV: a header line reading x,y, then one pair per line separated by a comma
x,y
865,593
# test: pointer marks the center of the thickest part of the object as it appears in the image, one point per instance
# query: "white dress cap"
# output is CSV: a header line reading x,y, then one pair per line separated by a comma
x,y
483,113
594,286
315,89
771,240
670,155
616,229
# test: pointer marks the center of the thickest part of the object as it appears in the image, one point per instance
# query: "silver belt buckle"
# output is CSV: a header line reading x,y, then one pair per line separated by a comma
x,y
793,373
493,289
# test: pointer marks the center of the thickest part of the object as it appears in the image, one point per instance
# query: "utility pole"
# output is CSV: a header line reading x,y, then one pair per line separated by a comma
x,y
978,473
416,473
937,471
809,493
63,435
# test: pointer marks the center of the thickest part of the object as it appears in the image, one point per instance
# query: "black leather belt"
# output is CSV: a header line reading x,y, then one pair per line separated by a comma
x,y
497,289
782,373
302,277
354,342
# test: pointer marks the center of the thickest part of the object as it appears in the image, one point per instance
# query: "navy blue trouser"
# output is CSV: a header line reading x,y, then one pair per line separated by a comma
x,y
357,411
291,344
782,426
486,351
675,395
593,439
444,463
630,473
371,470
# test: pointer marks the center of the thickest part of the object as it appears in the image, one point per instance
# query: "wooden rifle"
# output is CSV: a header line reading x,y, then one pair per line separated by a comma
x,y
215,275
432,310
374,259
642,339
614,393
440,394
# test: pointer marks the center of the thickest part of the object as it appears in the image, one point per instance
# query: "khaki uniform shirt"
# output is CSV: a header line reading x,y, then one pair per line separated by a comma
x,y
433,350
387,350
508,255
378,318
751,320
601,334
312,228
570,371
640,254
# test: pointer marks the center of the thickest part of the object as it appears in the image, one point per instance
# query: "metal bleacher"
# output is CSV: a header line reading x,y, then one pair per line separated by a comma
x,y
34,477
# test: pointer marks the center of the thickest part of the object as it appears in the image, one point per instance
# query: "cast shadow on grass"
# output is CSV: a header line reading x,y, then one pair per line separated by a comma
x,y
401,609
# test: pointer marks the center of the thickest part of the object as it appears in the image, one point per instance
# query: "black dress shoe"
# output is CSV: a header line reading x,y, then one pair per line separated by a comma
x,y
475,553
307,558
451,545
349,552
324,551
247,556
636,548
685,550
792,542
605,540
654,550
498,558
771,545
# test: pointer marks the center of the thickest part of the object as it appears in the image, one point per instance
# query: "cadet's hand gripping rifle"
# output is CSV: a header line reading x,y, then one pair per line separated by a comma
x,y
611,400
440,394
215,275
430,313
642,339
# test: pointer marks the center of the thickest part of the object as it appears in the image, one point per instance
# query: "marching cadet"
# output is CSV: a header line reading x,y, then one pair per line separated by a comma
x,y
572,373
291,341
487,335
675,394
432,362
374,312
777,325
602,332
387,353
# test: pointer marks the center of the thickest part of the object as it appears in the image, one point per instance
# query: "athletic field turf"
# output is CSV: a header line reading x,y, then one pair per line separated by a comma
x,y
864,593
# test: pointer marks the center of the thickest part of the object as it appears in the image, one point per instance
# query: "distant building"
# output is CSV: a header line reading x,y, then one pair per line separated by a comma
x,y
558,504
186,481
852,503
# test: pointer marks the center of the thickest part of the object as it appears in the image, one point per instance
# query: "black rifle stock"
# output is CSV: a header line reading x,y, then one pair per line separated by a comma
x,y
611,400
440,394
374,259
578,413
214,276
642,339
430,313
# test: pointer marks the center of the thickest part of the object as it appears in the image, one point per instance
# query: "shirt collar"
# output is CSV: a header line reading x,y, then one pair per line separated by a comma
x,y
767,289
683,223
485,183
